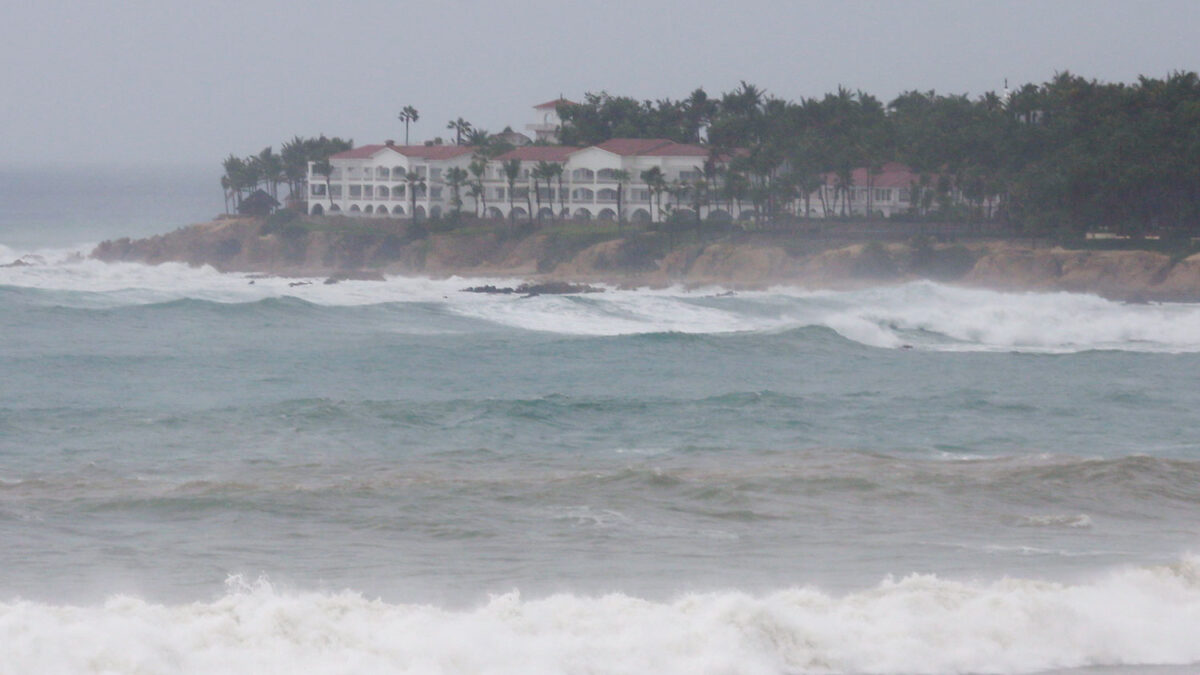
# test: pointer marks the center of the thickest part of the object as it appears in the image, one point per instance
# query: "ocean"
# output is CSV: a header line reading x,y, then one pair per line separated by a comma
x,y
206,472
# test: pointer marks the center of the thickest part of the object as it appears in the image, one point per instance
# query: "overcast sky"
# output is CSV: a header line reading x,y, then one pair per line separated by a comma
x,y
189,82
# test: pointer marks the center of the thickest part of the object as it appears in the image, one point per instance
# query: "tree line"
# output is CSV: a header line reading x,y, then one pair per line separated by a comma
x,y
267,170
1065,156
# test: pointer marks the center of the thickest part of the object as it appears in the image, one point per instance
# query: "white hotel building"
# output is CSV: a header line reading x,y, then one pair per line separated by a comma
x,y
370,181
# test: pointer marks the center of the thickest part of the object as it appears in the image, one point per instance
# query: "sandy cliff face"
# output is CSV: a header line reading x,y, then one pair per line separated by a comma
x,y
1131,275
641,259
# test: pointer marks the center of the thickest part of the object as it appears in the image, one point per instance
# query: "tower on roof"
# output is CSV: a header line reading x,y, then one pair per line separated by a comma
x,y
546,128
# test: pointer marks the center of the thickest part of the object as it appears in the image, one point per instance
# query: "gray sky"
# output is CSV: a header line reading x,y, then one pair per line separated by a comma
x,y
149,81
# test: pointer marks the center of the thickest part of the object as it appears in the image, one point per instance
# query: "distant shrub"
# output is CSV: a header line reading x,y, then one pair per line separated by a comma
x,y
415,232
227,248
641,252
939,264
561,247
389,250
293,231
276,222
875,262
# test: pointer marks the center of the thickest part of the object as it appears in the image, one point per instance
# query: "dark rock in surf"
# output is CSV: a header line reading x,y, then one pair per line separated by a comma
x,y
533,290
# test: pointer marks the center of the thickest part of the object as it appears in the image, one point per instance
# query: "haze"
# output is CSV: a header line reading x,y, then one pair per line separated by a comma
x,y
189,83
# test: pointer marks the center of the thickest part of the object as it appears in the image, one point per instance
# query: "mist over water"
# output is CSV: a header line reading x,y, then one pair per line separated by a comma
x,y
198,473
70,206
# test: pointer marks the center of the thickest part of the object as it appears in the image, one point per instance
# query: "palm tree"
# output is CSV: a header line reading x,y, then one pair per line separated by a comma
x,y
622,177
477,167
657,183
698,190
698,111
547,171
479,138
235,172
529,204
413,179
537,174
408,114
512,170
677,190
295,157
556,170
455,177
270,169
735,189
475,191
325,168
459,127
225,185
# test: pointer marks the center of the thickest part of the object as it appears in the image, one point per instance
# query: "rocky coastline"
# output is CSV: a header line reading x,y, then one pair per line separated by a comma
x,y
341,251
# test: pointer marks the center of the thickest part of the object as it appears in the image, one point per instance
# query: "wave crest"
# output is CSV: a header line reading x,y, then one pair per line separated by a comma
x,y
916,624
922,315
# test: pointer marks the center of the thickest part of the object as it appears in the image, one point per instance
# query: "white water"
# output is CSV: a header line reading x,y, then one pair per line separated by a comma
x,y
923,315
918,624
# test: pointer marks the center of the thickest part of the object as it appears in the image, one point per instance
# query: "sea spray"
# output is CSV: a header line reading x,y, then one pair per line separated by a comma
x,y
914,624
921,315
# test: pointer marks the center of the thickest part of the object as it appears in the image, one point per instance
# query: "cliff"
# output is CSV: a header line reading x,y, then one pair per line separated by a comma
x,y
367,249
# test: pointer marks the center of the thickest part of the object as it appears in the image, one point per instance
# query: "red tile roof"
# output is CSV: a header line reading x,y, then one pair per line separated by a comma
x,y
678,150
894,175
554,103
361,152
633,146
539,153
652,147
436,151
432,152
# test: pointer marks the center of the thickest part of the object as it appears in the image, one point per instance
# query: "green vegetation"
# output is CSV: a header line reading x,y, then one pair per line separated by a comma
x,y
268,170
1060,158
408,115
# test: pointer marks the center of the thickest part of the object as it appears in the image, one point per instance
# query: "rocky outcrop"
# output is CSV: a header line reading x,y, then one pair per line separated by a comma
x,y
1126,275
367,251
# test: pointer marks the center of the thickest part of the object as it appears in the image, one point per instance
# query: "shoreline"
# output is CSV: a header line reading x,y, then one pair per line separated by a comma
x,y
371,250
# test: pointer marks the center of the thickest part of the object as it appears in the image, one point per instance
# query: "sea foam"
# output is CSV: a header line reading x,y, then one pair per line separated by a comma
x,y
916,624
921,315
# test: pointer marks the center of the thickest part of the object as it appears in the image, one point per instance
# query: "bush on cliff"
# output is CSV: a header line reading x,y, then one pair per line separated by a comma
x,y
276,222
939,264
563,246
874,262
226,249
640,252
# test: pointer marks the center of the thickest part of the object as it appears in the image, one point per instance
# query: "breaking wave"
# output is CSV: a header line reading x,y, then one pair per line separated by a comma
x,y
920,315
916,624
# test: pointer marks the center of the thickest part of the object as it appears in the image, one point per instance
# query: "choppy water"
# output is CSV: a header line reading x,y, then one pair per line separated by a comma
x,y
200,474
